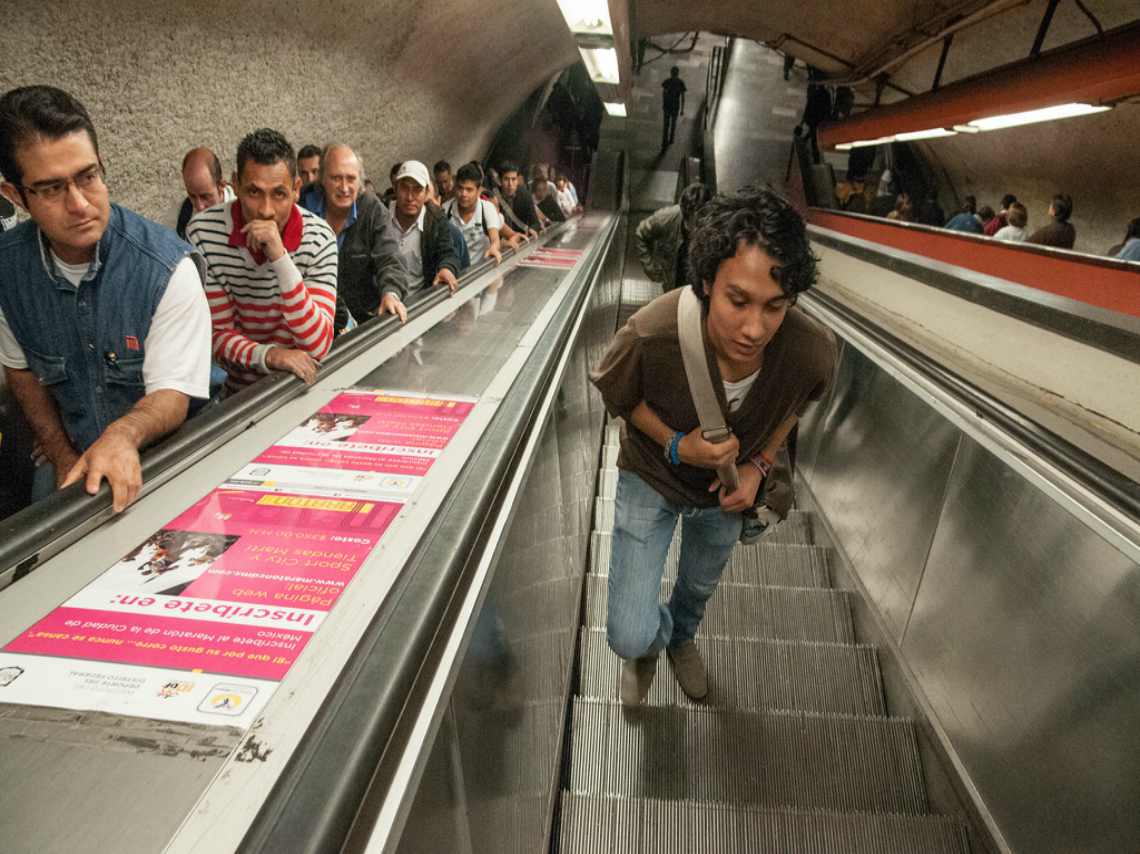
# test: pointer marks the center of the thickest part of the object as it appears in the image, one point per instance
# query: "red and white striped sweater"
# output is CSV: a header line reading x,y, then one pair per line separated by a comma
x,y
256,304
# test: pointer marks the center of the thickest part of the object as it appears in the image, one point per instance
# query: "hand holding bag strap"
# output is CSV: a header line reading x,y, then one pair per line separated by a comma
x,y
689,333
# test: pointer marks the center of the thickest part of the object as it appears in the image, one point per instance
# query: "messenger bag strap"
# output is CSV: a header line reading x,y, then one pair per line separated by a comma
x,y
713,427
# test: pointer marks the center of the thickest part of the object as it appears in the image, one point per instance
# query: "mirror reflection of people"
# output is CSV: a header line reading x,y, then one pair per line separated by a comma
x,y
104,328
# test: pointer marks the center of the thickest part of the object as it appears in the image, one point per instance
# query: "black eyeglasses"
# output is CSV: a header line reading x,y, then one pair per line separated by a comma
x,y
86,181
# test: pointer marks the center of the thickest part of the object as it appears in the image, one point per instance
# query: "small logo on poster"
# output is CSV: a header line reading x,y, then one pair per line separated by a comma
x,y
8,675
227,699
175,689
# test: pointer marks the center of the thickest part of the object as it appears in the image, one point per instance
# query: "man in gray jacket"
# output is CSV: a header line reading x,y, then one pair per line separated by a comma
x,y
663,237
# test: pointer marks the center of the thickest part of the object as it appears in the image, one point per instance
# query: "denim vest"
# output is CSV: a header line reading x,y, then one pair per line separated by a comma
x,y
86,344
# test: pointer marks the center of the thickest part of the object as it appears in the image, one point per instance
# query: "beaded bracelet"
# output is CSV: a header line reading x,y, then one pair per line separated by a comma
x,y
763,464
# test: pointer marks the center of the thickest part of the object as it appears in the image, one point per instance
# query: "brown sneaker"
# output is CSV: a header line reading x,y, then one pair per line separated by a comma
x,y
689,668
636,679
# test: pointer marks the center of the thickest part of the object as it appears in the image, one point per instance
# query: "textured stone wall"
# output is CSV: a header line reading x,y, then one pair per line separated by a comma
x,y
394,80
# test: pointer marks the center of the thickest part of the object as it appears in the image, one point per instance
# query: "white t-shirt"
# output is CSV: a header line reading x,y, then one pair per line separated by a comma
x,y
565,201
474,231
737,391
1011,233
177,347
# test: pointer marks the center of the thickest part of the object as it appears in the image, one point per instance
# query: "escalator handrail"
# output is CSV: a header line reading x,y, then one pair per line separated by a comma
x,y
46,527
1106,483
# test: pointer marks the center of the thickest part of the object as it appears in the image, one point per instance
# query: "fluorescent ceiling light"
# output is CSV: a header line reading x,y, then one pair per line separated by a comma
x,y
615,108
843,146
601,63
966,129
589,17
1045,114
863,143
931,133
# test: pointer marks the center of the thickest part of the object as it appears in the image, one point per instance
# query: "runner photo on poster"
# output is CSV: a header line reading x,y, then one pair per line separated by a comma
x,y
168,561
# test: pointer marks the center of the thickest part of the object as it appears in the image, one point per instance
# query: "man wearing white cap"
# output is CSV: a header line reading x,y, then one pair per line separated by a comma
x,y
420,232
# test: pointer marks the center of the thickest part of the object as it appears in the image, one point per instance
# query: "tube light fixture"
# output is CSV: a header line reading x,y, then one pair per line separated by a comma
x,y
615,108
967,129
1045,114
601,64
932,133
587,17
863,143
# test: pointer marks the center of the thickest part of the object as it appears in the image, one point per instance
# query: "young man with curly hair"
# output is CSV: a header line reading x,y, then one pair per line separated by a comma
x,y
749,260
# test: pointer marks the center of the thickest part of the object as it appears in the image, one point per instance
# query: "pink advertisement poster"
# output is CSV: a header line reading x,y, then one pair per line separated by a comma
x,y
236,585
559,259
371,432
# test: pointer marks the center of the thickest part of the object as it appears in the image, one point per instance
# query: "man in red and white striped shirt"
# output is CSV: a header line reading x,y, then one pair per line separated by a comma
x,y
270,268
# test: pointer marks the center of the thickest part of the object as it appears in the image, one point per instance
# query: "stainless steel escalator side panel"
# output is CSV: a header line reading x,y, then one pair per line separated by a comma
x,y
810,437
1006,603
1026,639
880,474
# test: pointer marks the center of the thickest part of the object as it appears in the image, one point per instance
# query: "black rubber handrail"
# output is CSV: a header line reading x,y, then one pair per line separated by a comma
x,y
1109,485
350,749
45,528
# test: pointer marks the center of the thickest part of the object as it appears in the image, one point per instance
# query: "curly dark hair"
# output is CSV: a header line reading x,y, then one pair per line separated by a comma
x,y
266,147
756,217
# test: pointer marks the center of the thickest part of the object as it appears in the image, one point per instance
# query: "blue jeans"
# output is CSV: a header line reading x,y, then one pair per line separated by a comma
x,y
637,625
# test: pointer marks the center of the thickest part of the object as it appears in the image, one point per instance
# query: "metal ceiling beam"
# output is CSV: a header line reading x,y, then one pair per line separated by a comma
x,y
1097,70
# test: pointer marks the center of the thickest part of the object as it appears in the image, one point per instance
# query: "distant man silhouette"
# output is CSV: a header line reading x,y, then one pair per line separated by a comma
x,y
672,104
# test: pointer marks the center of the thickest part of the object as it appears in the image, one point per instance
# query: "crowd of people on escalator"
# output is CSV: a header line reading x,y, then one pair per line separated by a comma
x,y
115,327
1010,222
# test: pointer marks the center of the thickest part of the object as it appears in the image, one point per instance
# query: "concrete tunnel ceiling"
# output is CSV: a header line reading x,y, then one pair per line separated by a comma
x,y
394,80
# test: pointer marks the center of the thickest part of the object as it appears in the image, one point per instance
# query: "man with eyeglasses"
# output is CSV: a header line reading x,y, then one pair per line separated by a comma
x,y
369,274
104,326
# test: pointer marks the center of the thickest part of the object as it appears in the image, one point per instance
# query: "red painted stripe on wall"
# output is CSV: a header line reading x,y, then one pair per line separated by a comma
x,y
1100,282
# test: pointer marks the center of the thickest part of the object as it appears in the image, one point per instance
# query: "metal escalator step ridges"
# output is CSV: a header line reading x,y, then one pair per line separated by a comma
x,y
754,675
759,612
779,564
774,758
620,825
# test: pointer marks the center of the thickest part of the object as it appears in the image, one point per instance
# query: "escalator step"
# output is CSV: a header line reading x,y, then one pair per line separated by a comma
x,y
782,564
802,760
649,826
751,674
754,611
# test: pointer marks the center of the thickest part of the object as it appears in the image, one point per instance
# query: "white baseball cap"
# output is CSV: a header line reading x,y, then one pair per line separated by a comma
x,y
415,170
